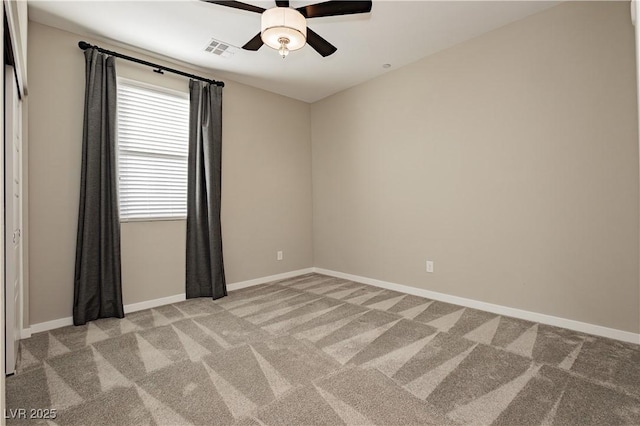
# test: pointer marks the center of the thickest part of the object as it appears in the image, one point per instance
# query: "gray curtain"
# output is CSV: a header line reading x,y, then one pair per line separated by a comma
x,y
205,270
97,286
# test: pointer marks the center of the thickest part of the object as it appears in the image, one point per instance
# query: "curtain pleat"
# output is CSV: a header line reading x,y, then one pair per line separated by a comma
x,y
97,284
204,264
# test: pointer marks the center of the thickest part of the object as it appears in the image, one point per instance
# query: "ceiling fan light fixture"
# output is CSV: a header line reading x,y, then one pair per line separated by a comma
x,y
284,50
283,29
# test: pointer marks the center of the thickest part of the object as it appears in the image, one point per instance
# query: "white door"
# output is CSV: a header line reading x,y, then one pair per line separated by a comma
x,y
13,218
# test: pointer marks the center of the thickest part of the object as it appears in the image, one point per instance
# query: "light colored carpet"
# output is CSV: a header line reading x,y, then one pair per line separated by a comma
x,y
319,350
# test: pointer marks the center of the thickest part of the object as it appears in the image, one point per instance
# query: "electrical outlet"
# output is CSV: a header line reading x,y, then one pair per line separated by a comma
x,y
429,266
279,255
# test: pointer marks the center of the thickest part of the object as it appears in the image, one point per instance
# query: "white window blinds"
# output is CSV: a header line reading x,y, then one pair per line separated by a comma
x,y
153,141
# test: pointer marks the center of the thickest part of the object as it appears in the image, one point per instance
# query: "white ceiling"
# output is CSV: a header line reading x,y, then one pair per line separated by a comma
x,y
395,32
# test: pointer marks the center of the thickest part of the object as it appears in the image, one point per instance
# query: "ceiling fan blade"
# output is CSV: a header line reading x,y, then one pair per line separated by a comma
x,y
254,44
237,5
320,45
333,8
282,3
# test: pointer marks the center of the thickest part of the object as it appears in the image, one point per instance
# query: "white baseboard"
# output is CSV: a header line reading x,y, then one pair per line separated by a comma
x,y
583,327
50,325
148,304
263,280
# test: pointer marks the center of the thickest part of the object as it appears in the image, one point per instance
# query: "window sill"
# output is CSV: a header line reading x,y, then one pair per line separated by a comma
x,y
152,219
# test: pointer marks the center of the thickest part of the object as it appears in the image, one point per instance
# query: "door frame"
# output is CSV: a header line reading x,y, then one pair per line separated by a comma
x,y
14,317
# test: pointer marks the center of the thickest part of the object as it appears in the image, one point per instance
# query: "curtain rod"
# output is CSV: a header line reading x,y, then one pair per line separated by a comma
x,y
159,68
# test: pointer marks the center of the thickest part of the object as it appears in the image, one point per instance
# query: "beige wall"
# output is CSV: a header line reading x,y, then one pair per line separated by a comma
x,y
266,194
510,160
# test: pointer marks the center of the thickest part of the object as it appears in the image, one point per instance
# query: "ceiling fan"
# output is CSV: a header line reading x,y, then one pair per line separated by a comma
x,y
285,28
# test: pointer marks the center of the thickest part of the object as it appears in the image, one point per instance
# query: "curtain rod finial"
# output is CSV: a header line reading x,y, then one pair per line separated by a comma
x,y
83,45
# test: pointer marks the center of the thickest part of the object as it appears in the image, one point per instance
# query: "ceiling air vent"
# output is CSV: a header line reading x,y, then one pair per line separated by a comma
x,y
220,48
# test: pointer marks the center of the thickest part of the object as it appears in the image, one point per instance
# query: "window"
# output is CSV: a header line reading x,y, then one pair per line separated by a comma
x,y
153,143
